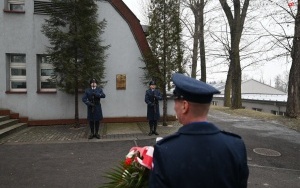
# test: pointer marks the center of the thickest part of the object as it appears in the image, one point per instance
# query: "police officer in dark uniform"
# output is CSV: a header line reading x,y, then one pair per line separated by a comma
x,y
91,98
152,97
199,154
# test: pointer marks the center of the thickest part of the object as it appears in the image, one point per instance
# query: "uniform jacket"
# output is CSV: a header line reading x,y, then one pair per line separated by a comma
x,y
200,155
90,97
152,98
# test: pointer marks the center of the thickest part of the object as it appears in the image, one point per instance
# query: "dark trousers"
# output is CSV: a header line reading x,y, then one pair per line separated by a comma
x,y
152,125
94,126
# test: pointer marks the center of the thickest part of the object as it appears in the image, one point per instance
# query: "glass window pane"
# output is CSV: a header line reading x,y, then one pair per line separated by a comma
x,y
18,72
47,72
17,59
45,59
47,85
18,85
18,7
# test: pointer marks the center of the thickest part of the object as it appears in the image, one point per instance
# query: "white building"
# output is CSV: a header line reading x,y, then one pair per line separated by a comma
x,y
257,96
23,88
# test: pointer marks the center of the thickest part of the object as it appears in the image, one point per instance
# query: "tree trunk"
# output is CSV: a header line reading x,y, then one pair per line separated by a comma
x,y
165,108
201,41
195,47
293,102
165,67
236,100
292,106
76,77
228,85
77,124
236,24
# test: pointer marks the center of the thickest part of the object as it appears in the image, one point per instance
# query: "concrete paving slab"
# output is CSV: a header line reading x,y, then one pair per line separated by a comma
x,y
122,128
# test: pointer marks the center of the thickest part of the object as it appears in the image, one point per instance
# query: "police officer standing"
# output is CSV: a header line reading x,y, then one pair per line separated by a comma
x,y
199,154
152,97
91,98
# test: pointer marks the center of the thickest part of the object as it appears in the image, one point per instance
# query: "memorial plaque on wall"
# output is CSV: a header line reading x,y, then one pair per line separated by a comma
x,y
121,81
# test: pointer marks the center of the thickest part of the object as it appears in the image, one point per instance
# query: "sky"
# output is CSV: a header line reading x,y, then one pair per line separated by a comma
x,y
265,73
136,7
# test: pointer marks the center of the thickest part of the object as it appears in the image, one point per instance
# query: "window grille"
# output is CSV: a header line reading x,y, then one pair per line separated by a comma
x,y
46,70
17,77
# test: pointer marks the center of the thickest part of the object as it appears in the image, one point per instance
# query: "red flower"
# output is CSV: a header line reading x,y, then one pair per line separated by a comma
x,y
128,161
134,170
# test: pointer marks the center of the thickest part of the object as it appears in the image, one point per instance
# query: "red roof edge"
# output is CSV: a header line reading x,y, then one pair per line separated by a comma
x,y
134,24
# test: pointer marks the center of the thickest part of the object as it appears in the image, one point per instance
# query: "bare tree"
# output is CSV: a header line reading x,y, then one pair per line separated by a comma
x,y
197,8
236,24
219,48
293,102
287,46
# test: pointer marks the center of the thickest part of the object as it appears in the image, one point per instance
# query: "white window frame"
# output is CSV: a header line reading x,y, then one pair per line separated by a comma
x,y
16,2
43,78
19,78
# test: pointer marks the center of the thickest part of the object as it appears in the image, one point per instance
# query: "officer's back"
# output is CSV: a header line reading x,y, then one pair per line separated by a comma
x,y
199,154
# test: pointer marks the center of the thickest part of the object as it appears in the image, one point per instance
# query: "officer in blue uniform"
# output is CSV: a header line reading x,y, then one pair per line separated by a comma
x,y
199,154
91,98
152,97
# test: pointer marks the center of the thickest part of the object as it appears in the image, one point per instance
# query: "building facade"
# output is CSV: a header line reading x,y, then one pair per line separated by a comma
x,y
257,96
24,71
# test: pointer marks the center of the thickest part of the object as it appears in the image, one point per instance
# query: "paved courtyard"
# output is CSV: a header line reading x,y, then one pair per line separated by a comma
x,y
62,156
67,133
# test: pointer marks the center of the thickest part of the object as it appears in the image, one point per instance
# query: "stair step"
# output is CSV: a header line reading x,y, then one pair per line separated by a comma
x,y
3,118
6,123
11,129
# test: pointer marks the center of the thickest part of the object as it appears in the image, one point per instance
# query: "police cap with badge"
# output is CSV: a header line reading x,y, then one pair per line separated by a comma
x,y
192,90
93,80
152,82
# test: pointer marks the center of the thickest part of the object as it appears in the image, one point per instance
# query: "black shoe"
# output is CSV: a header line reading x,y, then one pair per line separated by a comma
x,y
150,133
97,136
91,136
156,133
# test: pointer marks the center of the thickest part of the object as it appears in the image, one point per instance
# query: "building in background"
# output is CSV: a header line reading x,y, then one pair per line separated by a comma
x,y
257,96
24,70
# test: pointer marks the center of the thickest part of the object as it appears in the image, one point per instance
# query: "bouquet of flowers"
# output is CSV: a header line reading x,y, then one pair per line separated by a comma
x,y
134,171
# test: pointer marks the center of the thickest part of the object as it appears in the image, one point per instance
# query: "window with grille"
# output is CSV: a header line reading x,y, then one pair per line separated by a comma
x,y
45,72
15,5
17,66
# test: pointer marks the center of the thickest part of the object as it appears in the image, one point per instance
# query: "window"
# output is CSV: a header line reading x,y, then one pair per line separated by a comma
x,y
257,109
280,113
45,72
274,112
42,7
15,5
17,66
